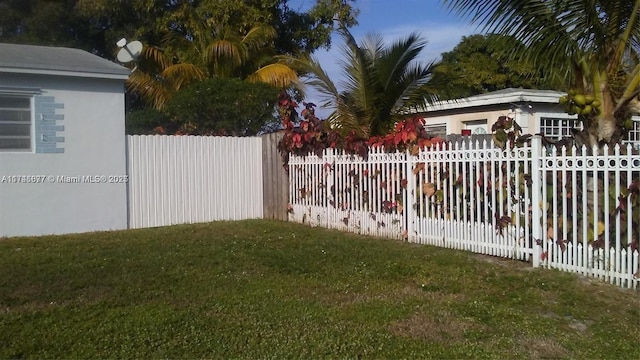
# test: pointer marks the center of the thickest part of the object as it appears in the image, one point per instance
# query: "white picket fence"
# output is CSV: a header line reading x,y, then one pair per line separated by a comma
x,y
592,236
344,192
191,179
552,208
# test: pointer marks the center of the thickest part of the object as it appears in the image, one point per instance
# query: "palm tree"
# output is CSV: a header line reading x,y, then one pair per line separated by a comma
x,y
595,43
156,78
382,83
197,50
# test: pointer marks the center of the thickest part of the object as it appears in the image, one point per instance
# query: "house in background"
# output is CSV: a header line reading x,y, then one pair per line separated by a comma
x,y
62,141
536,111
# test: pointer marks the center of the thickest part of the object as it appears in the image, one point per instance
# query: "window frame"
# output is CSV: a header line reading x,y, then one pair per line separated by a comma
x,y
633,135
21,93
559,118
439,126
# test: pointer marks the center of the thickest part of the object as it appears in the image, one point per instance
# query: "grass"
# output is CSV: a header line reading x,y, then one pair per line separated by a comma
x,y
264,289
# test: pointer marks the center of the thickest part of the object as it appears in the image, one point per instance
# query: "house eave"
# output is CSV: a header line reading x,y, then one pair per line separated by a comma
x,y
496,98
78,73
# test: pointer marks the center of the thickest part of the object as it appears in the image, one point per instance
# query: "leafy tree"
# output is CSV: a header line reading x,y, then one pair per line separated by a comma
x,y
594,44
202,46
382,83
296,31
222,106
45,23
207,53
186,41
480,64
92,25
148,121
95,25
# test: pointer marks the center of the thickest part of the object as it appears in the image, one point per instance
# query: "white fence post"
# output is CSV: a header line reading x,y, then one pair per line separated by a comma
x,y
536,209
409,195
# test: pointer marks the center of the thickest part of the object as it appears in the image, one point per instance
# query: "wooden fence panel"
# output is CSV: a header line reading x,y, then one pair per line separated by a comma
x,y
275,180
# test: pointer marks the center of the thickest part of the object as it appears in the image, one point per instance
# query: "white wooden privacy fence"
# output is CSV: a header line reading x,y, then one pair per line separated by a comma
x,y
190,179
565,209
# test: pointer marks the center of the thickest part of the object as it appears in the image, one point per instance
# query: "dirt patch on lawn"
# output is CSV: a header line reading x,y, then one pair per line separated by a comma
x,y
542,348
443,328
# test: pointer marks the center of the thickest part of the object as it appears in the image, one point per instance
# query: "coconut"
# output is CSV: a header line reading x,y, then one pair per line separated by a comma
x,y
588,99
579,100
587,110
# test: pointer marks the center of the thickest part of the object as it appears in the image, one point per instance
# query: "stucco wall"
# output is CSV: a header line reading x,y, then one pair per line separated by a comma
x,y
92,143
457,119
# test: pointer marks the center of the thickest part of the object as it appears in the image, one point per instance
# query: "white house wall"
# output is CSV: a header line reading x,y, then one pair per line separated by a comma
x,y
457,119
86,147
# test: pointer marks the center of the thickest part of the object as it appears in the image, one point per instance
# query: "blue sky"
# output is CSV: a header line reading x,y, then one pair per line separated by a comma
x,y
394,19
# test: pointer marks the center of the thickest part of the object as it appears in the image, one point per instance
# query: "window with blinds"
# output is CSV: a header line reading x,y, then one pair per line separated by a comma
x,y
15,123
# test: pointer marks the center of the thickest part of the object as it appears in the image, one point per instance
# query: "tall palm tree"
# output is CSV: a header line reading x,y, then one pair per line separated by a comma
x,y
595,43
198,49
382,83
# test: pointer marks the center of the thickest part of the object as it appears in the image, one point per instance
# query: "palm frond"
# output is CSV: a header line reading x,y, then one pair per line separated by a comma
x,y
180,74
378,80
152,91
360,74
315,76
223,50
155,56
259,35
278,75
558,33
398,57
413,93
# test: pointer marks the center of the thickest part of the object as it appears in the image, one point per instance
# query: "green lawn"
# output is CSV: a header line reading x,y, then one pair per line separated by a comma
x,y
264,289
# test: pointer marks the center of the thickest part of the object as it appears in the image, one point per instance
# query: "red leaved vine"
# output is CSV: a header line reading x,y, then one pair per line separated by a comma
x,y
312,136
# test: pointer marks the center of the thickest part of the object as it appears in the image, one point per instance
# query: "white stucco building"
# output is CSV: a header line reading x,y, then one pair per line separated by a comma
x,y
536,111
62,141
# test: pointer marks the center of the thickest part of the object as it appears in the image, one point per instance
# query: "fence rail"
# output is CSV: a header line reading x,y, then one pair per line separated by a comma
x,y
565,210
